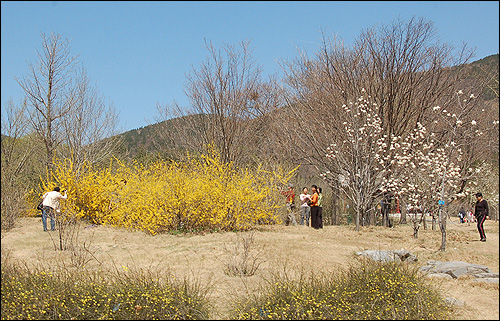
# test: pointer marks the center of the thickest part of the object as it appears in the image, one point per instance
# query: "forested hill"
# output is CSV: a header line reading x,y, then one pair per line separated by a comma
x,y
487,65
139,143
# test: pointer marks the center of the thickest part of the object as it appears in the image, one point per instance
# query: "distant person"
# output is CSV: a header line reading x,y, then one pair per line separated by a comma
x,y
314,207
52,207
290,205
469,216
461,215
320,206
472,217
481,213
305,210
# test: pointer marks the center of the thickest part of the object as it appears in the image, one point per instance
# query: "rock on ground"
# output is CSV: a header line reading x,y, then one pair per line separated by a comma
x,y
450,269
388,255
458,268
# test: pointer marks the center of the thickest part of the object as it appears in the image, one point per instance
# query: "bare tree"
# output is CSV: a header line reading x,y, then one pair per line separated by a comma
x,y
402,66
178,130
50,92
64,110
17,152
89,129
229,103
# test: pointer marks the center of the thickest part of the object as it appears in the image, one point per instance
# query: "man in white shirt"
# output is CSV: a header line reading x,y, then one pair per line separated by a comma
x,y
51,206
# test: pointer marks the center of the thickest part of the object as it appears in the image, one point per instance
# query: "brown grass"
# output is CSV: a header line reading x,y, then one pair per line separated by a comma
x,y
293,248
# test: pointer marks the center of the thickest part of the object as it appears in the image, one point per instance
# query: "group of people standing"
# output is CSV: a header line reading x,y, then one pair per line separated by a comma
x,y
467,216
311,206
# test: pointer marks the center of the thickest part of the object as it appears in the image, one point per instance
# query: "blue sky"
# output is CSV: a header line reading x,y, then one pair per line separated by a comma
x,y
137,53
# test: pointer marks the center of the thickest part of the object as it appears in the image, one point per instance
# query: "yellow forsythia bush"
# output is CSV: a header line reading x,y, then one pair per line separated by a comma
x,y
199,194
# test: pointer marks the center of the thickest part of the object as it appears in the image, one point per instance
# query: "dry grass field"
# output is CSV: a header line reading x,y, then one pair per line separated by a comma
x,y
278,248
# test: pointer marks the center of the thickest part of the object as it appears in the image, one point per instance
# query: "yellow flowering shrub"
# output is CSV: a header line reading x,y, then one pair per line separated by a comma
x,y
199,194
45,293
366,290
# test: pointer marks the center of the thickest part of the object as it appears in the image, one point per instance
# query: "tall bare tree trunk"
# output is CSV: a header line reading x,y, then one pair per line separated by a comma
x,y
64,110
335,210
50,92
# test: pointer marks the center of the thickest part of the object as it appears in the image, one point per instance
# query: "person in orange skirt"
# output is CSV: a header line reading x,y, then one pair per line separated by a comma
x,y
315,223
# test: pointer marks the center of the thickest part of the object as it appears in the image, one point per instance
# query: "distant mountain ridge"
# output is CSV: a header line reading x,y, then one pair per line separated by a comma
x,y
141,141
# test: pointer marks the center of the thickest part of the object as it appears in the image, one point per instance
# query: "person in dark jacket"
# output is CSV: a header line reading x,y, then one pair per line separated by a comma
x,y
461,214
481,213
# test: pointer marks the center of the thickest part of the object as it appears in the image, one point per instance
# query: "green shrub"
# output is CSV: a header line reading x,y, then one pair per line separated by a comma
x,y
366,290
75,295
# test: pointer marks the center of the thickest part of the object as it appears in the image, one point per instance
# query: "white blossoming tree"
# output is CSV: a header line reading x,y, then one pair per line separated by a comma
x,y
424,168
362,160
428,174
432,163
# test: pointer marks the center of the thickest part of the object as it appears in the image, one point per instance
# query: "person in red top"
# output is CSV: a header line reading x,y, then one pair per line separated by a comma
x,y
315,222
481,213
290,205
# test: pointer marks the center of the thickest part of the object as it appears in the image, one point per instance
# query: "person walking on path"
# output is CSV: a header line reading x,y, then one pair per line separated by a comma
x,y
314,208
52,206
481,213
305,210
